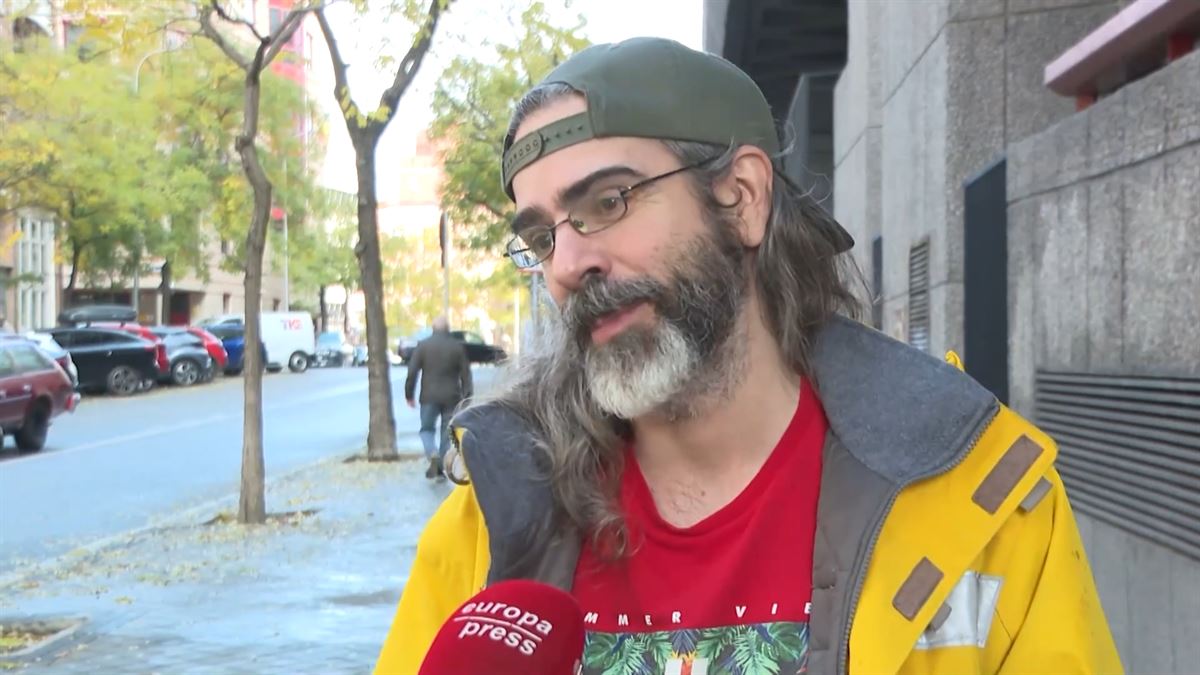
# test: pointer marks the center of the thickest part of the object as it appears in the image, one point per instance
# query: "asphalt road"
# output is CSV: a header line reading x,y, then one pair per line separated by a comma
x,y
119,464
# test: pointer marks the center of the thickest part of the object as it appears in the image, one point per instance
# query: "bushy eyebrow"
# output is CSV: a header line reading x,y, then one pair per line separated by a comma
x,y
534,215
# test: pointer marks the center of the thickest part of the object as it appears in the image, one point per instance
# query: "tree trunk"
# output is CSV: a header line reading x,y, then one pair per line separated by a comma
x,y
252,507
69,290
381,433
164,290
324,309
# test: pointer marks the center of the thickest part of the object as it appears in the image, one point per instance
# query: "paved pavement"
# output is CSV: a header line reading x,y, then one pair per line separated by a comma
x,y
118,464
313,594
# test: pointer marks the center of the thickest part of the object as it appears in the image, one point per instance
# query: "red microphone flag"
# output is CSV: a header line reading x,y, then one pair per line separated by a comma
x,y
510,628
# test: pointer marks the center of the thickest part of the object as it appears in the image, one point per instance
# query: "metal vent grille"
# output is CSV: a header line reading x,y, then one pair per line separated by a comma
x,y
918,296
1129,451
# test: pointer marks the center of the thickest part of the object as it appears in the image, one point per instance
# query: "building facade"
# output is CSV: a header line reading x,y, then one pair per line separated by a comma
x,y
33,277
1021,178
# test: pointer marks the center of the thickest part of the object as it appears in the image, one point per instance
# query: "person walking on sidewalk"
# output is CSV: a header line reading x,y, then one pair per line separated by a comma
x,y
441,363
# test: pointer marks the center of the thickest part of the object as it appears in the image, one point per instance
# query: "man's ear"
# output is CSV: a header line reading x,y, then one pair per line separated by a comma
x,y
748,187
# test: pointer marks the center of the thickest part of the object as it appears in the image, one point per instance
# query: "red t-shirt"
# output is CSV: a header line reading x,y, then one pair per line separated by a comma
x,y
728,594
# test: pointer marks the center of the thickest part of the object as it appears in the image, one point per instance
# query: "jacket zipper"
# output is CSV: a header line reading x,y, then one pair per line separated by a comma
x,y
861,564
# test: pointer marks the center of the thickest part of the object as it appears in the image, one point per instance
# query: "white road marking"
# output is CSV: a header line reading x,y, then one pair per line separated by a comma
x,y
165,429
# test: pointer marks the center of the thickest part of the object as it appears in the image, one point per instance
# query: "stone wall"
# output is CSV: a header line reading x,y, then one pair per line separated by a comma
x,y
1104,277
932,92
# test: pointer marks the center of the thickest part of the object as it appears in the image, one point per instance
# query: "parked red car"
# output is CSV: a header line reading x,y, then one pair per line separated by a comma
x,y
213,345
33,391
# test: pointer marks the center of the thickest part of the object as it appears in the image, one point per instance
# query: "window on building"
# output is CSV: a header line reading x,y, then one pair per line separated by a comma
x,y
5,284
33,259
226,300
72,34
276,15
918,296
76,39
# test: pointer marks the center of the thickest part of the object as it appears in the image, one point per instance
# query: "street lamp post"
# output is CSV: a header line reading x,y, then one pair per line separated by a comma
x,y
137,72
287,301
137,272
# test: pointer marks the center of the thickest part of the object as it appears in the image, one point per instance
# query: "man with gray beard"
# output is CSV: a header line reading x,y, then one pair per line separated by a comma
x,y
727,471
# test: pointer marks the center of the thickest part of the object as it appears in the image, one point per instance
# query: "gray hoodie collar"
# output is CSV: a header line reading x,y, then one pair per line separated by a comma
x,y
899,411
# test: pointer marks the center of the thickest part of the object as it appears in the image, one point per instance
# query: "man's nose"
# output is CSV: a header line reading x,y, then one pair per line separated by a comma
x,y
577,258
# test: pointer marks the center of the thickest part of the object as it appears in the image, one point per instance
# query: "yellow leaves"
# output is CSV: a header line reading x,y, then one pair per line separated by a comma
x,y
222,518
382,114
123,600
15,641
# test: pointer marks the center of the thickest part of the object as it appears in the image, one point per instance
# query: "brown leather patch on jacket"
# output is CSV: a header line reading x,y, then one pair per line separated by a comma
x,y
939,618
917,588
1009,471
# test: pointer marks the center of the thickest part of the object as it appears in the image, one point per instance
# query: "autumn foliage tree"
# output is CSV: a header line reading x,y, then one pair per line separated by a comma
x,y
472,105
365,128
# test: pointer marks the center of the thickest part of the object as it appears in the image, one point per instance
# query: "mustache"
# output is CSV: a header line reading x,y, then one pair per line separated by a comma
x,y
599,297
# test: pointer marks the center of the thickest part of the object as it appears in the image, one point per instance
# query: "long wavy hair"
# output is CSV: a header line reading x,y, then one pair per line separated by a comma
x,y
800,281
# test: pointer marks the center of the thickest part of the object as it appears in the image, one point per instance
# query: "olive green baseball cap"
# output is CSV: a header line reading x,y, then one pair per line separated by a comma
x,y
654,88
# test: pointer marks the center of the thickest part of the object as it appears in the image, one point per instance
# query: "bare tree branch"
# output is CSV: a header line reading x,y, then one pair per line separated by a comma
x,y
231,19
412,61
210,31
341,87
284,34
487,206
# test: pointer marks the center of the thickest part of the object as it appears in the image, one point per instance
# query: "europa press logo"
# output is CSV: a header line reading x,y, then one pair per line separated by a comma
x,y
501,622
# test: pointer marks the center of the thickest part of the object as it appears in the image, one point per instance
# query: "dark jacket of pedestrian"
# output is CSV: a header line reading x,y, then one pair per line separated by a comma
x,y
440,361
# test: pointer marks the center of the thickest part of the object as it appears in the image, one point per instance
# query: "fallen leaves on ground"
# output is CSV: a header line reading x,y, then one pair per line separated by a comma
x,y
322,508
17,636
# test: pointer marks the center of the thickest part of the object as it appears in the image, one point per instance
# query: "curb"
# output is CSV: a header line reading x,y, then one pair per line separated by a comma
x,y
61,636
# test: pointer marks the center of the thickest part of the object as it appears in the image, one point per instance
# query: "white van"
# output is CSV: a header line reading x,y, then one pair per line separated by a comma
x,y
290,340
288,336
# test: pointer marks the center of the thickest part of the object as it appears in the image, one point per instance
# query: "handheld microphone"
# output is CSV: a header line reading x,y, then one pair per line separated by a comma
x,y
510,628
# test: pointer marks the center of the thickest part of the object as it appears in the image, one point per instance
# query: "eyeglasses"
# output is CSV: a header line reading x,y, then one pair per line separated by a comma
x,y
599,209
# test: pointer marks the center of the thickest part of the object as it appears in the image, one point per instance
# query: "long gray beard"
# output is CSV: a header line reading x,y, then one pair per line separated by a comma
x,y
640,372
694,350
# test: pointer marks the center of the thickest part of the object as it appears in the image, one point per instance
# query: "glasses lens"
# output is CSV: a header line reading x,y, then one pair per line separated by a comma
x,y
531,246
598,210
523,259
540,242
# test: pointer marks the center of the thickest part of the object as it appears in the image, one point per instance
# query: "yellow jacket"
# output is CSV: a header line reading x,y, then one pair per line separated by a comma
x,y
970,562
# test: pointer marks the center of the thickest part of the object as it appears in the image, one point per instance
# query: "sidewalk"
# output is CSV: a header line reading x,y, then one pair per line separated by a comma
x,y
311,593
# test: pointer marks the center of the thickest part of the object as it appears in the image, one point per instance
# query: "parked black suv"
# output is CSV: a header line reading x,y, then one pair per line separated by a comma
x,y
109,360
